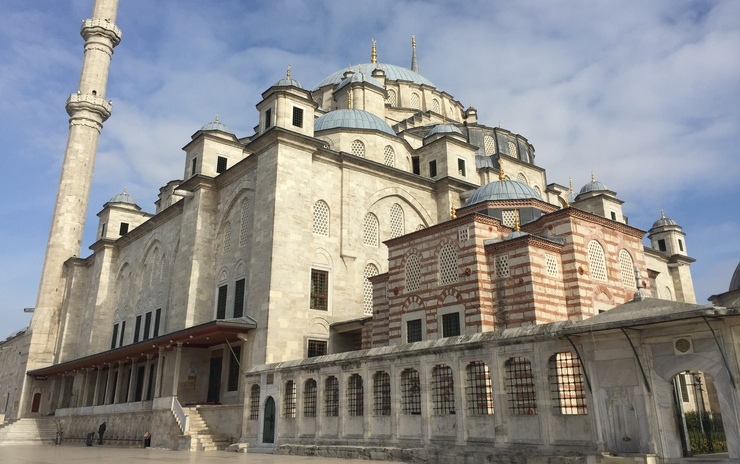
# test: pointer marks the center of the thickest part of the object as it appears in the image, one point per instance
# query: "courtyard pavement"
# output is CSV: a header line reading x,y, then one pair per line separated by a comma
x,y
69,454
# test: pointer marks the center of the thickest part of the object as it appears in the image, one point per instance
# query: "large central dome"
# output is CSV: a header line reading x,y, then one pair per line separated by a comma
x,y
392,73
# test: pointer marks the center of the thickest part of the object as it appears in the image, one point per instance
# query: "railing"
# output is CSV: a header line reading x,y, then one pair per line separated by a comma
x,y
183,420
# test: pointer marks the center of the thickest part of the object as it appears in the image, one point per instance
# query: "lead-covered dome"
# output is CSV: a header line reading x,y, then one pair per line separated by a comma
x,y
593,186
503,190
287,82
352,119
392,73
664,221
445,128
216,125
122,197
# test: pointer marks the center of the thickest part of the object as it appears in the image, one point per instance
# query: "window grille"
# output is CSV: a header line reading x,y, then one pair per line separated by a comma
x,y
443,390
321,218
381,394
244,226
566,384
221,164
551,264
355,393
357,148
626,268
435,105
221,302
367,289
309,398
448,268
478,389
451,325
413,331
410,392
413,273
227,238
415,101
512,148
596,261
370,230
331,396
520,386
501,263
319,290
463,235
521,178
317,348
391,99
297,117
397,221
389,156
254,402
508,217
289,400
489,146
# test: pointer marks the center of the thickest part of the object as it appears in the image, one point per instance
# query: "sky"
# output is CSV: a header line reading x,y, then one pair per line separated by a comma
x,y
646,95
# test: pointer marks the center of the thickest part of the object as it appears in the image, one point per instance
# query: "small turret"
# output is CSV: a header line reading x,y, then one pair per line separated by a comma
x,y
667,236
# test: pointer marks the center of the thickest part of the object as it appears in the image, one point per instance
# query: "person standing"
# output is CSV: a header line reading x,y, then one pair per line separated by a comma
x,y
101,431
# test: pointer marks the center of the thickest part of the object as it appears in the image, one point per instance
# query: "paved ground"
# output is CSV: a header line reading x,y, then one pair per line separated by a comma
x,y
68,454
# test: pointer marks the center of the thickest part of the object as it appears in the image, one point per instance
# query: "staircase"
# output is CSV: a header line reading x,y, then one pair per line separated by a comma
x,y
201,438
28,431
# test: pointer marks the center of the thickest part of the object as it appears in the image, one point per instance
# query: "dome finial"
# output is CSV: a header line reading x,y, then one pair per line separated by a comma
x,y
374,54
516,222
593,178
662,214
501,175
414,62
287,74
453,213
216,117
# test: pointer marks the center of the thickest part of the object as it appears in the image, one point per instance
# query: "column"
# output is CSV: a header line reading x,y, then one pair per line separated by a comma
x,y
83,391
147,379
131,383
96,393
119,384
109,386
158,383
176,376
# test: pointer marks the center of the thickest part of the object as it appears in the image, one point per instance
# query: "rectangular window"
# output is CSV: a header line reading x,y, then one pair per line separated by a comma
x,y
450,325
331,396
317,348
123,332
114,338
193,166
319,290
234,359
415,165
157,320
520,386
413,331
566,384
309,398
221,302
220,164
239,297
137,328
461,167
102,230
147,325
680,244
123,230
614,215
410,392
661,245
433,169
268,118
298,117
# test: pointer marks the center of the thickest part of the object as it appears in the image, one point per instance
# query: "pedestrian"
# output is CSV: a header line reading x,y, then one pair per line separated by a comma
x,y
147,439
101,431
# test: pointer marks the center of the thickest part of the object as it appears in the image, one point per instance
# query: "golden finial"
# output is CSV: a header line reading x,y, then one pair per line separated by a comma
x,y
516,223
287,74
453,213
501,175
349,100
374,54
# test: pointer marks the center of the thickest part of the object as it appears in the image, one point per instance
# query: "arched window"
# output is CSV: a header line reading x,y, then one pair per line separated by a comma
x,y
520,386
321,218
448,268
478,388
226,247
667,294
355,395
512,148
435,105
381,394
596,261
391,99
397,221
410,392
389,156
489,146
244,226
357,148
566,384
522,178
370,230
331,396
254,402
415,101
289,400
626,269
443,390
537,189
413,273
309,398
367,289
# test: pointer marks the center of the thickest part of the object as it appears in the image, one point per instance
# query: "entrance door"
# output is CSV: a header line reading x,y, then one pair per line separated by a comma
x,y
214,380
268,428
36,402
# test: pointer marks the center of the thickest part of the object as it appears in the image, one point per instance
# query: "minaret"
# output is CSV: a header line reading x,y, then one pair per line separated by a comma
x,y
414,62
88,109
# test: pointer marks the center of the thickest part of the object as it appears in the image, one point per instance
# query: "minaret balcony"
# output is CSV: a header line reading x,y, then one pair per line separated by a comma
x,y
79,102
104,27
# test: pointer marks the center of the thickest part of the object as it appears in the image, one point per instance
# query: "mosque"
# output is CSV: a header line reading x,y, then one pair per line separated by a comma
x,y
322,285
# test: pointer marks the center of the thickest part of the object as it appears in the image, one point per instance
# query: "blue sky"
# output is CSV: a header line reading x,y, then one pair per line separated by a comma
x,y
644,94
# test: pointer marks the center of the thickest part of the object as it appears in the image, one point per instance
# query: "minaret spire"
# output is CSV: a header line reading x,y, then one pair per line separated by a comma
x,y
374,54
87,109
414,62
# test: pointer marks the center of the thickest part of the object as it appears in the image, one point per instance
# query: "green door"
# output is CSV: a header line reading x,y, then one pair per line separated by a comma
x,y
268,429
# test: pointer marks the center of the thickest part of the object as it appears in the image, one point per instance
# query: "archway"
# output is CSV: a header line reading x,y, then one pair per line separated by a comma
x,y
698,414
268,425
36,402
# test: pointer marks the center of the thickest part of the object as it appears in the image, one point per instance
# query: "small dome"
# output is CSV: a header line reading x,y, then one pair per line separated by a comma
x,y
360,77
735,281
593,186
664,221
216,126
123,197
287,82
445,128
353,119
392,73
503,190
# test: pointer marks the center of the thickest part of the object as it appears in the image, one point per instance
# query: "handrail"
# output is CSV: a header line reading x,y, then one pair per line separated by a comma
x,y
183,420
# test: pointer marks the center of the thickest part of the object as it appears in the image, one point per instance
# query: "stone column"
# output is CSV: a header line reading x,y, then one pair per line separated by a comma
x,y
147,379
158,382
119,384
131,383
83,391
96,393
109,386
176,376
